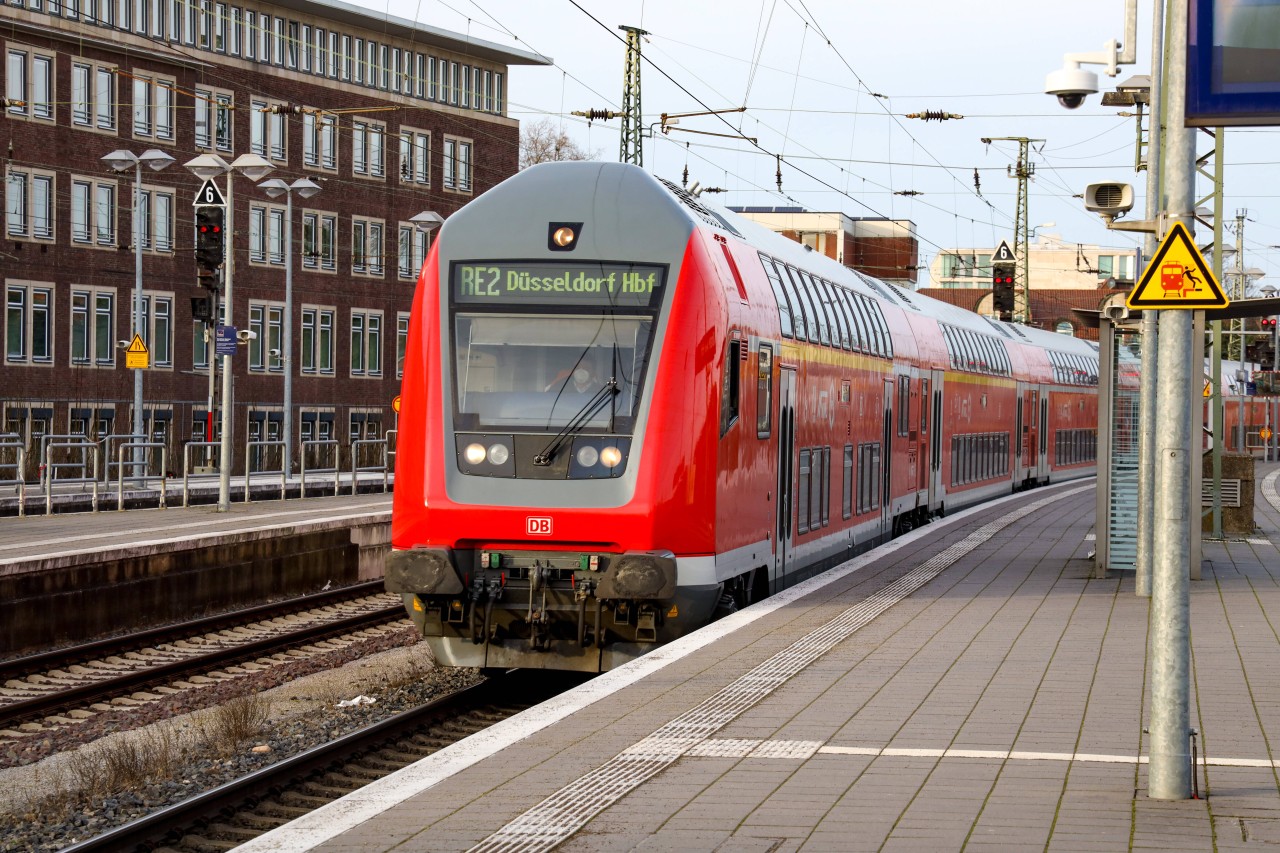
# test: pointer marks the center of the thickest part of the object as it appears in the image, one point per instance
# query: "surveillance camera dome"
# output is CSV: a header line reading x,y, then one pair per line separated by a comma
x,y
1071,86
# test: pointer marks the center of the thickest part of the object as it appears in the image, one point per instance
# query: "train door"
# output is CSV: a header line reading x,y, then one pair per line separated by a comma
x,y
935,442
1042,458
920,439
784,553
1030,434
886,455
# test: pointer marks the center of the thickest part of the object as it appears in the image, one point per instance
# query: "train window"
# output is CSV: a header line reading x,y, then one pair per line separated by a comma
x,y
819,309
805,329
851,318
730,387
904,405
846,492
861,328
924,406
886,343
840,331
802,493
874,345
785,317
868,476
764,391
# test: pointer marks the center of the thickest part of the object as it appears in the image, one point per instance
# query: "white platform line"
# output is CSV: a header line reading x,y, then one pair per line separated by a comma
x,y
328,822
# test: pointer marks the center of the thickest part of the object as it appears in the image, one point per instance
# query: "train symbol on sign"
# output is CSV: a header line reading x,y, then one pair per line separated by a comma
x,y
1177,279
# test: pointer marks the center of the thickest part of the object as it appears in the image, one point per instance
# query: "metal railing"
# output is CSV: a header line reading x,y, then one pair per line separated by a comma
x,y
49,468
108,454
140,475
333,469
392,438
250,468
12,443
357,469
187,473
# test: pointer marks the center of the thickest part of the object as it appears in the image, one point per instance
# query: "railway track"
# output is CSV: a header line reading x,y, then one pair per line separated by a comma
x,y
63,687
238,811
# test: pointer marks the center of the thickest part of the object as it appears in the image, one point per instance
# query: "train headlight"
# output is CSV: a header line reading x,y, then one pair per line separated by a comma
x,y
474,453
499,454
599,457
610,457
486,455
588,456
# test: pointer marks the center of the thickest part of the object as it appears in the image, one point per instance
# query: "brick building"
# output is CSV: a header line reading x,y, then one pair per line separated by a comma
x,y
389,117
886,249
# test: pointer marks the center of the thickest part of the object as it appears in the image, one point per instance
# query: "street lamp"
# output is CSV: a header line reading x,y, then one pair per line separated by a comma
x,y
208,167
427,221
122,161
274,187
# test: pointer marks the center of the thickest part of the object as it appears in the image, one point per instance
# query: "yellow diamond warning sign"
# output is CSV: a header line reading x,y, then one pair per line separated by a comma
x,y
1177,277
136,355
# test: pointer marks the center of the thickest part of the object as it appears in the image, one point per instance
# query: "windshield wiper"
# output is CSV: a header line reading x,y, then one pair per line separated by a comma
x,y
578,422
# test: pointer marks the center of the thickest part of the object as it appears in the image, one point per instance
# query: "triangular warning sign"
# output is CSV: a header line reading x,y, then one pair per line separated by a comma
x,y
209,195
1177,277
1003,253
137,344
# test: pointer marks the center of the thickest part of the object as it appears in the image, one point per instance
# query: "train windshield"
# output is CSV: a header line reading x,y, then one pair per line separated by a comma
x,y
538,359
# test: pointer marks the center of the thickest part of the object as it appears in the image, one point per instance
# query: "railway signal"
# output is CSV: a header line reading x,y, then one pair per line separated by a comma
x,y
1002,296
210,238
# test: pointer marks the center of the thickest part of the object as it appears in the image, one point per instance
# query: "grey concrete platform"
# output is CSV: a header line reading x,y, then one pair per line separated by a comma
x,y
968,687
39,542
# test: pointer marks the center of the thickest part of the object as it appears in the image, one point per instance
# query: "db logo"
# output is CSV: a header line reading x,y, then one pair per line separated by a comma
x,y
537,525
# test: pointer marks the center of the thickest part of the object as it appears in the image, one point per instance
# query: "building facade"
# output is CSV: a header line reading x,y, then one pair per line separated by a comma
x,y
390,118
886,249
1068,281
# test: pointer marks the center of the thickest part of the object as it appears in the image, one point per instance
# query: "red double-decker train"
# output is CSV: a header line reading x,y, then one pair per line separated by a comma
x,y
625,413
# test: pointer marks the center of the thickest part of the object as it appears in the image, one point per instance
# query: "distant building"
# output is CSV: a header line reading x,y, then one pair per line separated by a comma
x,y
1053,263
390,117
1068,281
884,248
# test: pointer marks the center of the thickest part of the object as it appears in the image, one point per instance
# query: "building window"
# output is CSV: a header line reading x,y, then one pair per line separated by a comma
x,y
266,234
319,241
93,212
213,119
319,141
366,343
415,157
366,148
29,83
156,215
28,323
317,340
157,324
411,250
199,346
457,164
402,341
29,204
93,340
366,246
153,107
267,134
266,321
93,95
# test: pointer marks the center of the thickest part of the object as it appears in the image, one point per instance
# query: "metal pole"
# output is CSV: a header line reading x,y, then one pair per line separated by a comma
x,y
288,334
1170,768
224,462
138,463
1147,390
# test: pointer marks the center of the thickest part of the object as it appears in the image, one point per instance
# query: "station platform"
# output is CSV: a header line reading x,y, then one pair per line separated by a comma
x,y
47,541
968,686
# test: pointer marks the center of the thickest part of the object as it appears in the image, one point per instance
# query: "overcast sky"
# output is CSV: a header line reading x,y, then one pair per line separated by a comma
x,y
806,71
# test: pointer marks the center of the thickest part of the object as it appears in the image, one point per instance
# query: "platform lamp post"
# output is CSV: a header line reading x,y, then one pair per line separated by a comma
x,y
305,188
207,167
123,161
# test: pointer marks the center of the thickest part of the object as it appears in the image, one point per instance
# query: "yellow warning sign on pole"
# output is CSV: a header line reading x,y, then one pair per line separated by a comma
x,y
1177,277
136,355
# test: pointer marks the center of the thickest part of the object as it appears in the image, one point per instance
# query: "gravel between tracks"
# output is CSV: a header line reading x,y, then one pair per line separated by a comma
x,y
396,671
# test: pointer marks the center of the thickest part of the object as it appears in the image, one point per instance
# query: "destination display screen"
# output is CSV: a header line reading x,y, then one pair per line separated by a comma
x,y
604,285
